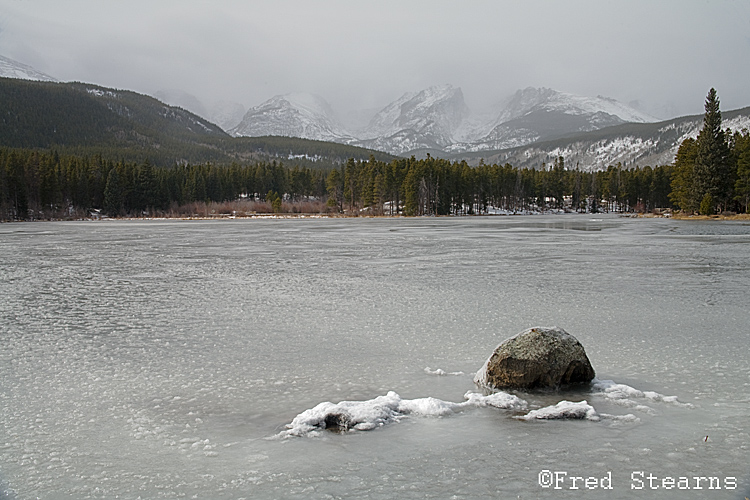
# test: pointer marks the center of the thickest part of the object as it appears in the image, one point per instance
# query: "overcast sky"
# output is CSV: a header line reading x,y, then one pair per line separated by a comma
x,y
364,54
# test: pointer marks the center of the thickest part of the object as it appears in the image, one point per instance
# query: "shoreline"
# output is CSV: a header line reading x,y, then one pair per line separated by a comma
x,y
218,217
735,217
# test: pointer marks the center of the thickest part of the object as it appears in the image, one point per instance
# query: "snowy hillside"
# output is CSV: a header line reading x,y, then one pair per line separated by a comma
x,y
293,115
533,99
14,69
440,107
539,114
629,144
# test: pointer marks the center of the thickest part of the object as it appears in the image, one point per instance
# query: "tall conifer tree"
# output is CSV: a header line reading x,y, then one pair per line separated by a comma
x,y
713,168
742,185
113,194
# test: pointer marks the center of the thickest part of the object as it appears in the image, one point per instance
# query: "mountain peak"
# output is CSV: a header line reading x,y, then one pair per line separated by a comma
x,y
533,99
425,119
14,69
297,114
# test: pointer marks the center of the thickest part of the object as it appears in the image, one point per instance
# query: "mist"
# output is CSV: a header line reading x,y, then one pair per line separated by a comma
x,y
660,57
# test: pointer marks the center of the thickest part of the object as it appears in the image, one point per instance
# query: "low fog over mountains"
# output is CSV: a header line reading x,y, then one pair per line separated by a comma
x,y
532,127
438,119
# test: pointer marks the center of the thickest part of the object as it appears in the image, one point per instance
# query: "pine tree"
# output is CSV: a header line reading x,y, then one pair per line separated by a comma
x,y
713,169
351,192
113,194
145,187
335,188
707,205
684,193
742,185
16,185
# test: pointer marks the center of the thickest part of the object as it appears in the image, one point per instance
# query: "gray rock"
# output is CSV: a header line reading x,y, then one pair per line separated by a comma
x,y
537,358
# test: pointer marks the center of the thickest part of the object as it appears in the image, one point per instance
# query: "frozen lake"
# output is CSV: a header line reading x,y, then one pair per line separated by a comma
x,y
164,359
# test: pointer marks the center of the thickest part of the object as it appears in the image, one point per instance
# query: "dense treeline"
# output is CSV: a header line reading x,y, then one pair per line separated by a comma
x,y
47,184
712,172
439,187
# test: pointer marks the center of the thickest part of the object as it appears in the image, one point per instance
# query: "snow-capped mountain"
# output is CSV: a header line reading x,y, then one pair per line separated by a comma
x,y
533,99
538,114
426,119
14,69
293,115
437,120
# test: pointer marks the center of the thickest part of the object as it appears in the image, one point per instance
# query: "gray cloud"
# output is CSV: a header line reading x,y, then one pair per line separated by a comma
x,y
664,54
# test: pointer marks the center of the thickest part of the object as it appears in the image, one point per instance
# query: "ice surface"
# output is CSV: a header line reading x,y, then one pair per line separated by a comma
x,y
128,342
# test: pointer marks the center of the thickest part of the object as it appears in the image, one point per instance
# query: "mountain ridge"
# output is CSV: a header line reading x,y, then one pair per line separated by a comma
x,y
125,125
437,118
630,144
10,68
529,129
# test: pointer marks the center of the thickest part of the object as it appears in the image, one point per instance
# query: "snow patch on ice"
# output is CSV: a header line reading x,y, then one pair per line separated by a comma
x,y
440,372
497,400
382,410
349,416
564,410
624,395
627,419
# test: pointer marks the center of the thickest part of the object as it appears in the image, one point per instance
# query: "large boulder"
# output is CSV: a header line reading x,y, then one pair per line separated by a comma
x,y
537,358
